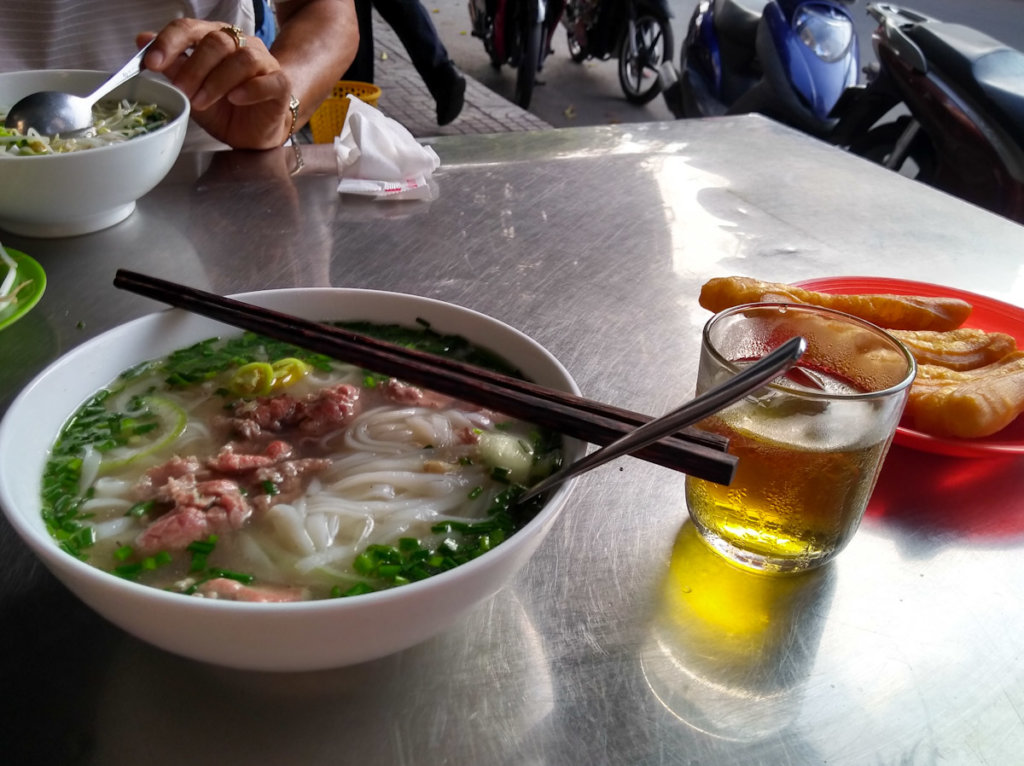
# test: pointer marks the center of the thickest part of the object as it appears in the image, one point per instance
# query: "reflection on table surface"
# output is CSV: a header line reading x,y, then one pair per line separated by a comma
x,y
624,640
730,650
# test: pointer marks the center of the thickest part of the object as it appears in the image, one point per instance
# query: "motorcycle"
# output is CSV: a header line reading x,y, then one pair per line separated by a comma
x,y
944,105
517,33
637,32
790,60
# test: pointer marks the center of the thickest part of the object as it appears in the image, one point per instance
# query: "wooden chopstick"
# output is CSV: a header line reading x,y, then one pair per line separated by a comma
x,y
693,452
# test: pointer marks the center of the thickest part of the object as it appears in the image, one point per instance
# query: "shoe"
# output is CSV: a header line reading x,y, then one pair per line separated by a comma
x,y
450,97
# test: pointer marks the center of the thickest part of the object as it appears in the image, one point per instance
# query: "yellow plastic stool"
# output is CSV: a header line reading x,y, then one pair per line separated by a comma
x,y
328,118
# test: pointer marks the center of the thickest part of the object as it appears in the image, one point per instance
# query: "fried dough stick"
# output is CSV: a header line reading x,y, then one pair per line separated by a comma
x,y
901,312
967,404
964,348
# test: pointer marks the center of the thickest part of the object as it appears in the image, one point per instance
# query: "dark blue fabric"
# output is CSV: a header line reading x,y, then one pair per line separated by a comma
x,y
266,28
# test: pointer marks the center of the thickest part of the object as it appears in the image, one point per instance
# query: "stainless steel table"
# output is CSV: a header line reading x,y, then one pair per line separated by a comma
x,y
623,641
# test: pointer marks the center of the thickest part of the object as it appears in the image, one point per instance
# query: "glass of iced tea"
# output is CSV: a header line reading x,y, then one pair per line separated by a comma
x,y
810,444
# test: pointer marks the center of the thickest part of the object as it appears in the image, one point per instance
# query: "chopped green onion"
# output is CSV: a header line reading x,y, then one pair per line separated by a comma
x,y
200,550
358,589
83,538
241,577
389,571
203,546
128,571
363,564
140,509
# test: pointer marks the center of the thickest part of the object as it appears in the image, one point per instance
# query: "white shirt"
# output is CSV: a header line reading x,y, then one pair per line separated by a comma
x,y
97,34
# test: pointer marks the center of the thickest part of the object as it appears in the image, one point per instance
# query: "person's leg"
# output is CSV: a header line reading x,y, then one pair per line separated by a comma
x,y
415,29
361,69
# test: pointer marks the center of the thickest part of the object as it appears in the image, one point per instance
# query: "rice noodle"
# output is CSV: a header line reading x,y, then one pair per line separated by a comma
x,y
90,468
110,487
318,530
288,522
116,527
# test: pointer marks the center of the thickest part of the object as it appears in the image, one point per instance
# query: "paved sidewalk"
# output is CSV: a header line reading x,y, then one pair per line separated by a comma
x,y
404,96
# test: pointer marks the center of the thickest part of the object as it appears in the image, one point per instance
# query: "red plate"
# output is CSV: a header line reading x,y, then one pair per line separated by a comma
x,y
988,314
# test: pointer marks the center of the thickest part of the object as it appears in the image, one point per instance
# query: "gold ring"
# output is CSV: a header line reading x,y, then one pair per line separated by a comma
x,y
236,33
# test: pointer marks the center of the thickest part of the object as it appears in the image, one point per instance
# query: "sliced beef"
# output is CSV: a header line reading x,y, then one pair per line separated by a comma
x,y
232,590
317,413
199,510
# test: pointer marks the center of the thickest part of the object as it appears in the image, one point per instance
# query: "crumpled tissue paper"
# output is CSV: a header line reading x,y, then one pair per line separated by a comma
x,y
379,157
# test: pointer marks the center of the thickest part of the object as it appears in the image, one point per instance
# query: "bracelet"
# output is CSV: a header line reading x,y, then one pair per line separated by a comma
x,y
293,105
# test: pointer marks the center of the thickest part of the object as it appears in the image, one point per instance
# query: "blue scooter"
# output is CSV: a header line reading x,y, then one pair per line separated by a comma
x,y
787,59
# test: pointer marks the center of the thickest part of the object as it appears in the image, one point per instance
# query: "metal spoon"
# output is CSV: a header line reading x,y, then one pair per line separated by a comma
x,y
766,369
51,112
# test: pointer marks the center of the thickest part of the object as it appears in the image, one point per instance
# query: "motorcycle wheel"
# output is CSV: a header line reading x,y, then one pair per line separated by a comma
x,y
638,69
529,58
493,57
495,61
878,144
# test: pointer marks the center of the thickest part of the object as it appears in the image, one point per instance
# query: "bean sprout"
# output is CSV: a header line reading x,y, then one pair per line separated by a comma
x,y
113,122
8,291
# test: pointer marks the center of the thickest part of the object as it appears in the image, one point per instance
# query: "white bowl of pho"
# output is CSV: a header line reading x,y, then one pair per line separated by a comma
x,y
249,504
66,186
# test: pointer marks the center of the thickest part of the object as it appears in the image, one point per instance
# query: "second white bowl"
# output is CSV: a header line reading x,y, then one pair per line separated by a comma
x,y
61,195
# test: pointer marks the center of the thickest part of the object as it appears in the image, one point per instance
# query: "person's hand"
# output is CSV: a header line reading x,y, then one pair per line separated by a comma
x,y
239,93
